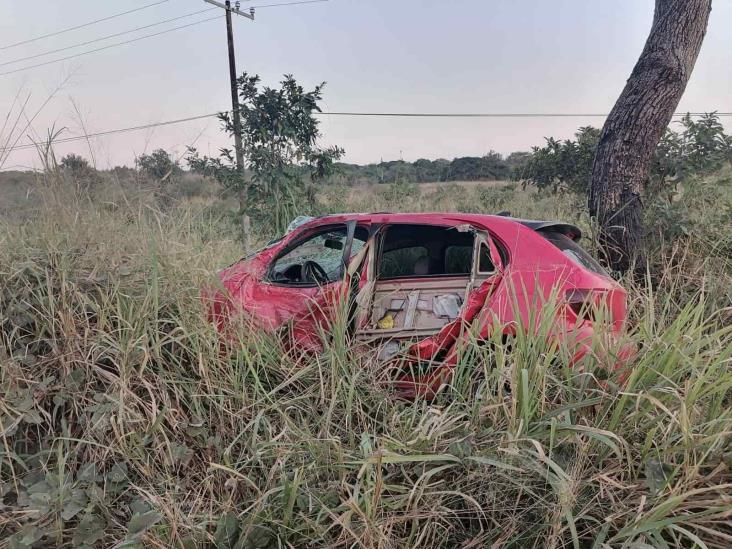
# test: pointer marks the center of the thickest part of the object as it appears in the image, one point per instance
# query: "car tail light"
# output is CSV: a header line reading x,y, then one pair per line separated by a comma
x,y
583,303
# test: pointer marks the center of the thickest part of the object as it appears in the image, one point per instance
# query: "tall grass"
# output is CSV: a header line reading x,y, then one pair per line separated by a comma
x,y
123,423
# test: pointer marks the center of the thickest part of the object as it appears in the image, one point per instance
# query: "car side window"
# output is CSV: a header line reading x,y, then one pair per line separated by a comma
x,y
485,263
318,259
459,259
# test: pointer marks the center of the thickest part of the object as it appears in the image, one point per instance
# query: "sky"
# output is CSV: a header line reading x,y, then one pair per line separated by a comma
x,y
498,56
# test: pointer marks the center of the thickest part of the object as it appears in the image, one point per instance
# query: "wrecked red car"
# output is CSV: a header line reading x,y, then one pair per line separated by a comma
x,y
412,285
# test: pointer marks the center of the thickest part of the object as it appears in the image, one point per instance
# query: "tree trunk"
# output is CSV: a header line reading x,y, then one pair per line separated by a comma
x,y
635,126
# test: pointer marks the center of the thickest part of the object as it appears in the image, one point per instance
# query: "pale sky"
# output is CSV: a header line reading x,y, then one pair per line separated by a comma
x,y
375,55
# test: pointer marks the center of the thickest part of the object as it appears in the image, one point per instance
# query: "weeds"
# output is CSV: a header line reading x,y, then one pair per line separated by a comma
x,y
122,422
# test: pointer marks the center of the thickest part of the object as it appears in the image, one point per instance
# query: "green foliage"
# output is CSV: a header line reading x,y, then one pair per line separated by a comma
x,y
515,162
158,165
491,166
700,210
400,192
700,148
74,164
563,165
704,145
279,134
78,169
494,199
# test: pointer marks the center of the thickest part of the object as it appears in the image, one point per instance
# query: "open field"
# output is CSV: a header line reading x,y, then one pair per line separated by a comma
x,y
122,422
354,194
468,185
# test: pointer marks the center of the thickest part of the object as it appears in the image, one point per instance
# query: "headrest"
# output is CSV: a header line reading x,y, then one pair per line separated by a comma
x,y
422,266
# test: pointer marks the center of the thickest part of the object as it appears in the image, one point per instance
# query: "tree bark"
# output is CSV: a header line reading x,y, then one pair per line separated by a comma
x,y
635,126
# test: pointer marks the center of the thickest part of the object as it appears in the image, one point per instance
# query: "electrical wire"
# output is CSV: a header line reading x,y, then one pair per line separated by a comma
x,y
120,34
108,47
408,115
105,37
117,131
490,115
465,115
56,33
288,4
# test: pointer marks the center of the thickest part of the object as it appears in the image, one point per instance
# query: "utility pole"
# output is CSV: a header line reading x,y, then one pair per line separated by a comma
x,y
236,115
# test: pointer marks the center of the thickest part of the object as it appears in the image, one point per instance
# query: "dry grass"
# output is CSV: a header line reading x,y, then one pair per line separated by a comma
x,y
122,423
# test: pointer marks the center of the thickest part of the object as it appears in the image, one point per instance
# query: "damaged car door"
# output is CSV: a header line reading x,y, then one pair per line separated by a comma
x,y
422,278
305,283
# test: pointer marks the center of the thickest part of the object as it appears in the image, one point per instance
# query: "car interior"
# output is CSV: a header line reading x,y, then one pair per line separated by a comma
x,y
424,273
318,259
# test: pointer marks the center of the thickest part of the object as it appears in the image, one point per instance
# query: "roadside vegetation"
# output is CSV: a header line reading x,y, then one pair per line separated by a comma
x,y
122,422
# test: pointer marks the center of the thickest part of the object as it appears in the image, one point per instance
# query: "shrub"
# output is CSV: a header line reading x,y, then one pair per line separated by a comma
x,y
159,165
77,169
563,165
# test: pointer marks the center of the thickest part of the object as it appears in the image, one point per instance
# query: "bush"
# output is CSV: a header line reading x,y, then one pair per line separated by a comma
x,y
563,165
77,169
700,148
159,165
493,199
189,185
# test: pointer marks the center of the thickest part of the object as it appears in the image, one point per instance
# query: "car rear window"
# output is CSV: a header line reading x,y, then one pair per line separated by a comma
x,y
574,251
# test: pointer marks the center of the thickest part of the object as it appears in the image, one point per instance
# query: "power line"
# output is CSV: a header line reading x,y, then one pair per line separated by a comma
x,y
117,131
56,33
288,4
119,34
105,37
489,115
408,115
107,47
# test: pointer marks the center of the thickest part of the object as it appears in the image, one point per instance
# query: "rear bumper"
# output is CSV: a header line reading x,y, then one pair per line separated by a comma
x,y
612,356
609,352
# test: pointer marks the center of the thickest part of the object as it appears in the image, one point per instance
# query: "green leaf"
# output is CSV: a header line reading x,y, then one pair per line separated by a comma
x,y
24,403
139,506
27,537
461,448
227,530
118,473
75,504
89,531
32,417
138,525
88,473
180,453
495,463
257,537
658,476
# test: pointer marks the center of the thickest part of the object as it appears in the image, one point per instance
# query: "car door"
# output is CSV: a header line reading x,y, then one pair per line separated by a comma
x,y
305,303
485,276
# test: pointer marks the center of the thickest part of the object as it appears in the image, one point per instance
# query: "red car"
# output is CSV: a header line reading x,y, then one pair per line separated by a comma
x,y
413,283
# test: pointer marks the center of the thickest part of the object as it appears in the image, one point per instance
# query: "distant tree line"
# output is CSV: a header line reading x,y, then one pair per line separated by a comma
x,y
492,166
697,147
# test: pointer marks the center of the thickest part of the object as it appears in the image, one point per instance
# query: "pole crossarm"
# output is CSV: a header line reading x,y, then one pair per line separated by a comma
x,y
249,15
